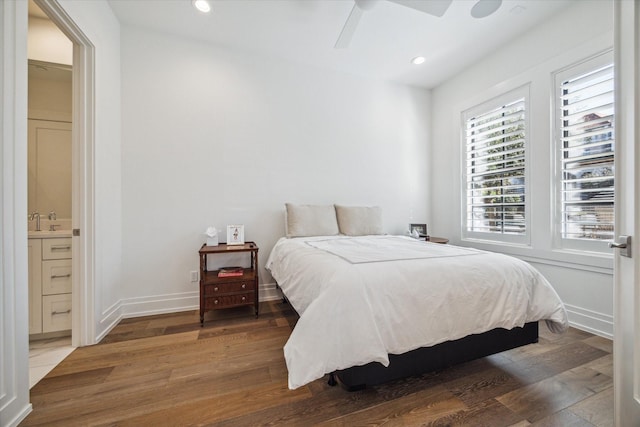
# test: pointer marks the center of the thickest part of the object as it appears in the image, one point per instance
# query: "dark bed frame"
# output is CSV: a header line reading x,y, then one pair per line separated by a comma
x,y
429,359
437,357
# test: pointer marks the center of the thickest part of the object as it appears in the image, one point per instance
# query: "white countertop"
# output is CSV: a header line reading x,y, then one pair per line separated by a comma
x,y
46,234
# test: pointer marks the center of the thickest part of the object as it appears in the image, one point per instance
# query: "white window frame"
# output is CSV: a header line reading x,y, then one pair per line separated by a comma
x,y
574,70
523,239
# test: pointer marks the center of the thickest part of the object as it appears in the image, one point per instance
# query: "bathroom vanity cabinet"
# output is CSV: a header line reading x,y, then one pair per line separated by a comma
x,y
49,285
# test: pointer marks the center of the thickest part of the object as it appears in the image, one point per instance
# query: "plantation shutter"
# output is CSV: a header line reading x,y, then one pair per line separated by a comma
x,y
587,155
495,169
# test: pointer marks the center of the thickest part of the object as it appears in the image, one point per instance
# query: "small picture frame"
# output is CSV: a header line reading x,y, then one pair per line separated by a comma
x,y
420,228
235,234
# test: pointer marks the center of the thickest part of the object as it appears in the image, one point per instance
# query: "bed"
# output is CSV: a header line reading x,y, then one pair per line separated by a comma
x,y
374,307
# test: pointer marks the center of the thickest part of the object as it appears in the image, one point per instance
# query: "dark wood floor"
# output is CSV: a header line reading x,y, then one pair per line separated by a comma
x,y
167,371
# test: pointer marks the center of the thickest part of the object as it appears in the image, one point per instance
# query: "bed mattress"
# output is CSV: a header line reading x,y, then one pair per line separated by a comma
x,y
363,298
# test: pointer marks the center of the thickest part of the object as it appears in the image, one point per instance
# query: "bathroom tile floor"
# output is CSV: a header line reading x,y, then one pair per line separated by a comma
x,y
44,355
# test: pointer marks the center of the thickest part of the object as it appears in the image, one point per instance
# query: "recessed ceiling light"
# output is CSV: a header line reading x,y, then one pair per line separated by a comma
x,y
418,60
202,5
484,8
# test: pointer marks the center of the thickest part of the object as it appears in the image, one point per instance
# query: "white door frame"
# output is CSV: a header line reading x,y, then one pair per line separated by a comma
x,y
14,321
626,344
83,201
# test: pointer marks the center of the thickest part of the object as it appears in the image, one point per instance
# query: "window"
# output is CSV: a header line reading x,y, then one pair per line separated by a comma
x,y
495,140
585,142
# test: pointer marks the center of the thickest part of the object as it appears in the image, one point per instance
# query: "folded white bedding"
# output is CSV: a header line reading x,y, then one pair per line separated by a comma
x,y
386,248
362,298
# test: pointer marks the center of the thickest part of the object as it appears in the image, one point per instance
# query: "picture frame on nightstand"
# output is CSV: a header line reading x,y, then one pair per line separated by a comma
x,y
420,228
235,234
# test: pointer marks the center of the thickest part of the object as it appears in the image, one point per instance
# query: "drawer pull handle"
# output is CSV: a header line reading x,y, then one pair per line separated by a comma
x,y
215,301
53,313
244,298
60,248
215,289
61,276
244,286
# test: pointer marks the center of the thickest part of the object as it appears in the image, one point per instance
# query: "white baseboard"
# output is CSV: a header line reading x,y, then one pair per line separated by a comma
x,y
20,416
146,306
590,321
110,319
160,304
164,304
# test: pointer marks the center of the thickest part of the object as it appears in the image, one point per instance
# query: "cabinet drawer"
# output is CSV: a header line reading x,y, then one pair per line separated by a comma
x,y
56,248
56,313
226,288
228,300
56,276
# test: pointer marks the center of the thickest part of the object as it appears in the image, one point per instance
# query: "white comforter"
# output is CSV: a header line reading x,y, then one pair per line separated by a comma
x,y
362,298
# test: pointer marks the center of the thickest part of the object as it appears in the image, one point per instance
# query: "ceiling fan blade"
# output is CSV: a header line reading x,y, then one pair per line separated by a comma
x,y
366,4
432,7
349,28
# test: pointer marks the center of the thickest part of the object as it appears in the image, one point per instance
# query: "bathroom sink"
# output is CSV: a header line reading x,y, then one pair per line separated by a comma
x,y
45,234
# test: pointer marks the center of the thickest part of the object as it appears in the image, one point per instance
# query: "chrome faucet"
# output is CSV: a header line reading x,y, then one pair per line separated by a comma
x,y
36,215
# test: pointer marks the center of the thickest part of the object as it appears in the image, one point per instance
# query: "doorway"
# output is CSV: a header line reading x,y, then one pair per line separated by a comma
x,y
49,166
82,173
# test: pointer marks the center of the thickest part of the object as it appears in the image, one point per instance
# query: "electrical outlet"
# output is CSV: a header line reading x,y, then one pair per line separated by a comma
x,y
194,276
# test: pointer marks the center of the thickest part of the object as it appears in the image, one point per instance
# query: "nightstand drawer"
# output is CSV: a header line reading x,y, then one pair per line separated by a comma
x,y
227,288
228,300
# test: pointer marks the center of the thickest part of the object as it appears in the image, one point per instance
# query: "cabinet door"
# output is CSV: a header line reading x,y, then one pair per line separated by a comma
x,y
56,276
56,313
49,164
35,286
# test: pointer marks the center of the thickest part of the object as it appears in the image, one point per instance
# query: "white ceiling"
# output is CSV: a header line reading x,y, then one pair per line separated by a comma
x,y
385,41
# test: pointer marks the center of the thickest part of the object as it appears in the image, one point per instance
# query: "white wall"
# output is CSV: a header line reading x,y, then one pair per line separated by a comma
x,y
215,137
586,28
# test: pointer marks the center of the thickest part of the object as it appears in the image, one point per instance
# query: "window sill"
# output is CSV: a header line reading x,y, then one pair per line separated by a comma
x,y
598,262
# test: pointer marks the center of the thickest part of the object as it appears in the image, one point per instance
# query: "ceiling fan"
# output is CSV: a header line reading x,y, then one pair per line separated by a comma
x,y
481,9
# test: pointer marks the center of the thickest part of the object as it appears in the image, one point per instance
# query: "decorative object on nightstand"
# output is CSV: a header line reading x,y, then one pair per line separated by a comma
x,y
235,234
212,236
230,271
418,231
226,287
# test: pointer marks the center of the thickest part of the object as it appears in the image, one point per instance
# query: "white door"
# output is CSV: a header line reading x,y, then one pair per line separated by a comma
x,y
626,351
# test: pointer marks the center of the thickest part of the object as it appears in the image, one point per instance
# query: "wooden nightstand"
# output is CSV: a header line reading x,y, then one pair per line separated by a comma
x,y
224,292
433,239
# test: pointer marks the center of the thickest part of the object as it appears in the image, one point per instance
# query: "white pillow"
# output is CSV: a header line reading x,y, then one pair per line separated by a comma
x,y
359,220
310,220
